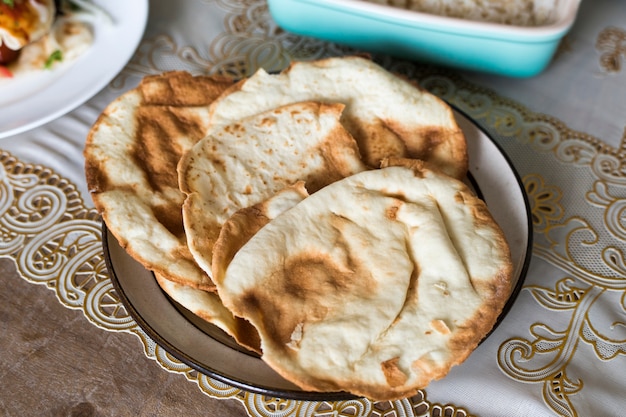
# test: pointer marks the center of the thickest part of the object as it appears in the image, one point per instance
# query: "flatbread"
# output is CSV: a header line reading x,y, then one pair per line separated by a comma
x,y
237,230
131,156
376,284
387,115
248,161
244,223
209,307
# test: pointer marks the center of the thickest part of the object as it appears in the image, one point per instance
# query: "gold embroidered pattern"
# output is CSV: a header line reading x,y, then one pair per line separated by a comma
x,y
544,202
250,40
55,240
576,294
611,42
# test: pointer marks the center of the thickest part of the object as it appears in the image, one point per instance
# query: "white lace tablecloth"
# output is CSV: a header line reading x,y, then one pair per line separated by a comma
x,y
562,348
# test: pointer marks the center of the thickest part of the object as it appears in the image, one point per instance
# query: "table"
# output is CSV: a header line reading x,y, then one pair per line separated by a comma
x,y
68,347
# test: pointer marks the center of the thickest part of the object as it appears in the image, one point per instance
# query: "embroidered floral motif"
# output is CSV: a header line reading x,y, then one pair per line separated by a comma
x,y
55,240
544,202
612,43
545,358
250,40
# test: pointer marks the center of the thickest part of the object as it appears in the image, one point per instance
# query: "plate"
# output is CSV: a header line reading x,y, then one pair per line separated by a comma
x,y
37,98
209,351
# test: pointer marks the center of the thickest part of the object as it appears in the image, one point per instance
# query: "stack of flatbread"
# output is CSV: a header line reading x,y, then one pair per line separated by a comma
x,y
318,216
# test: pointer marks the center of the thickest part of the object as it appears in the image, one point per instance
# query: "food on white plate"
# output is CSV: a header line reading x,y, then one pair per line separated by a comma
x,y
37,35
241,164
318,216
376,284
131,155
510,12
23,22
388,116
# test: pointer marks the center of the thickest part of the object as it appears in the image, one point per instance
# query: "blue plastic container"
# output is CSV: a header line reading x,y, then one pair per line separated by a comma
x,y
516,51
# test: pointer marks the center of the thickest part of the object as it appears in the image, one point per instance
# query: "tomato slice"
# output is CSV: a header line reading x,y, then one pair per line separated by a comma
x,y
5,72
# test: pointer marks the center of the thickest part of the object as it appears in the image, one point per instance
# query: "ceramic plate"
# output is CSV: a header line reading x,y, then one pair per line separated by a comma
x,y
208,350
34,99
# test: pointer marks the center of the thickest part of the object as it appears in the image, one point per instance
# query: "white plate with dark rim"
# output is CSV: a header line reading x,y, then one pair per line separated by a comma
x,y
208,350
34,99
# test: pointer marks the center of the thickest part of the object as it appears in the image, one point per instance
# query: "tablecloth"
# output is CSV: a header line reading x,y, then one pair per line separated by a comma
x,y
560,350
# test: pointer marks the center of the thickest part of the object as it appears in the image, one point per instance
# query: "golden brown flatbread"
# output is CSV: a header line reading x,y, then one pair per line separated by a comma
x,y
131,155
387,115
248,161
376,284
283,209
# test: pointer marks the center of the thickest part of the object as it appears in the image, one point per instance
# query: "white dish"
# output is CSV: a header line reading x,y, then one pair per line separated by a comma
x,y
208,350
34,99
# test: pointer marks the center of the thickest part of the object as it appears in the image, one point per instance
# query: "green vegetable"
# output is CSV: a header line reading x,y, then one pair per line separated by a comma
x,y
10,3
57,55
73,6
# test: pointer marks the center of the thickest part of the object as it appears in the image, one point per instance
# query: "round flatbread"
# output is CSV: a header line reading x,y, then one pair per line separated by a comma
x,y
131,156
376,285
248,161
387,115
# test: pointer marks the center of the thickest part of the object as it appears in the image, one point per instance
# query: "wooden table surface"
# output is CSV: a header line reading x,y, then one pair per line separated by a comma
x,y
54,362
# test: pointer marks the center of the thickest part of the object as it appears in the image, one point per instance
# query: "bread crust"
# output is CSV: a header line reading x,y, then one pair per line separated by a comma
x,y
131,154
377,284
375,273
244,163
388,115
